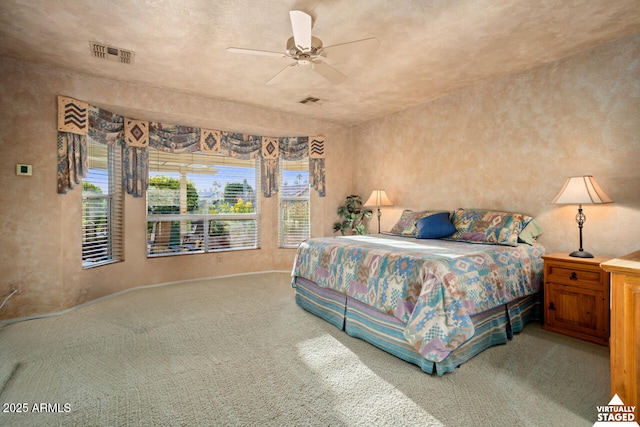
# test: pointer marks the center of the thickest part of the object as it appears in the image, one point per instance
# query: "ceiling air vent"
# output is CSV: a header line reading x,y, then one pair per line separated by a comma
x,y
103,51
309,100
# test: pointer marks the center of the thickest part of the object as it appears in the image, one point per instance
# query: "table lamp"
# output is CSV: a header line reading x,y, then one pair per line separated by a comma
x,y
581,190
378,198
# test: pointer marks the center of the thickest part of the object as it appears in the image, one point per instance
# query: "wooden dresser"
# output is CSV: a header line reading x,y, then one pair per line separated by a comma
x,y
576,297
625,328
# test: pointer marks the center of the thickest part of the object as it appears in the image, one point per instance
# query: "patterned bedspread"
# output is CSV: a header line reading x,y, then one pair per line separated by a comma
x,y
433,286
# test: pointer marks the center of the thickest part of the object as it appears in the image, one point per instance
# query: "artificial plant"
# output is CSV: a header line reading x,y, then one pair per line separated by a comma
x,y
352,216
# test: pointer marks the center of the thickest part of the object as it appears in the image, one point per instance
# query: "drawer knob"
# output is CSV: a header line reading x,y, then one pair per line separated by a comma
x,y
573,276
552,306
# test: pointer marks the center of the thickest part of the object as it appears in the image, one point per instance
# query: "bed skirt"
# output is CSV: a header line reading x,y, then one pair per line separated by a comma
x,y
492,327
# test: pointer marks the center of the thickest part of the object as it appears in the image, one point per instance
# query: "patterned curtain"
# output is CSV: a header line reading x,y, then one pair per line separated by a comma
x,y
108,128
77,120
72,142
135,167
295,148
316,175
316,164
174,138
72,160
245,147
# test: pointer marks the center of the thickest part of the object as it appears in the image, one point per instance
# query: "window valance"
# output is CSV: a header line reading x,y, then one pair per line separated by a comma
x,y
78,119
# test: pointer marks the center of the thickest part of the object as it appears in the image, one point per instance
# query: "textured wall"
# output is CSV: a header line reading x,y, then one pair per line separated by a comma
x,y
510,144
40,231
507,144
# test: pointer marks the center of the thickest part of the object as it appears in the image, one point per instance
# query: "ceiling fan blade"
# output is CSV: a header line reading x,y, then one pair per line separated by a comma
x,y
301,26
255,52
350,48
278,77
328,72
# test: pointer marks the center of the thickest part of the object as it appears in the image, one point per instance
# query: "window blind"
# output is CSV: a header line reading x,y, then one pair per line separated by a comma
x,y
102,211
294,224
200,202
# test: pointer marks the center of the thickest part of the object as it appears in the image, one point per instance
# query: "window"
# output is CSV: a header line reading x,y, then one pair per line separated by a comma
x,y
102,206
294,202
200,203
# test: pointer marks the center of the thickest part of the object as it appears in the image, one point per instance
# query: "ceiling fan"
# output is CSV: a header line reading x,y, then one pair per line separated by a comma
x,y
306,50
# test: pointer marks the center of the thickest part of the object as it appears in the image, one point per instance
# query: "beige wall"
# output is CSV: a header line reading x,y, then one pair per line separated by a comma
x,y
40,230
510,144
507,144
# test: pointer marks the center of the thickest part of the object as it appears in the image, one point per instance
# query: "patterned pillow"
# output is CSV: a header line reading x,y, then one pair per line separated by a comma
x,y
530,233
402,222
406,225
489,227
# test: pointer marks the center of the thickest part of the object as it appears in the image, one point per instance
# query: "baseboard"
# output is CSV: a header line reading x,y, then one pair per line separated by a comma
x,y
124,291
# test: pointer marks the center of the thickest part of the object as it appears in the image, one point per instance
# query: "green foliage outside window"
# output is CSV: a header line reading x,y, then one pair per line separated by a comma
x,y
94,220
236,199
164,196
88,187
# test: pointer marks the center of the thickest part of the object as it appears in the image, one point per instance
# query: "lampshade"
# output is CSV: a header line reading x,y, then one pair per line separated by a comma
x,y
378,198
581,190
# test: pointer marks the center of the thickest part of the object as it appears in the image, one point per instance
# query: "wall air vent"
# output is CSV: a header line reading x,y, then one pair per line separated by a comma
x,y
309,100
103,51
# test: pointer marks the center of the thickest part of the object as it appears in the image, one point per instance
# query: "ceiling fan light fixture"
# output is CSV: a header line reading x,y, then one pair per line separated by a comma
x,y
304,59
293,50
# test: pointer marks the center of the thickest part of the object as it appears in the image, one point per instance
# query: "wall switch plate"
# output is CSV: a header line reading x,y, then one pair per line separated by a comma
x,y
24,169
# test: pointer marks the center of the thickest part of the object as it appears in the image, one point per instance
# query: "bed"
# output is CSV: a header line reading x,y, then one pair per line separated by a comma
x,y
435,291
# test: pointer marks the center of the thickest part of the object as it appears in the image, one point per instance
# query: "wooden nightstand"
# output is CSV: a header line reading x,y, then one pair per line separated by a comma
x,y
576,297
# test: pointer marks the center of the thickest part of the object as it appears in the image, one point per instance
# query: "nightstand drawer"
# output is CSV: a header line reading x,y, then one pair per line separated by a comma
x,y
560,273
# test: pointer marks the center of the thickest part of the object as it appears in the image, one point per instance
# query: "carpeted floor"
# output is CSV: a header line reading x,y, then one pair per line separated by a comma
x,y
239,351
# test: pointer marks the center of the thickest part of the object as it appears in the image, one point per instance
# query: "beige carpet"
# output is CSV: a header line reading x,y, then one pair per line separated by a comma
x,y
239,351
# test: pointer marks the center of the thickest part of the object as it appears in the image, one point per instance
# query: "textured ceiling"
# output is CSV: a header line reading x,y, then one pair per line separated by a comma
x,y
427,48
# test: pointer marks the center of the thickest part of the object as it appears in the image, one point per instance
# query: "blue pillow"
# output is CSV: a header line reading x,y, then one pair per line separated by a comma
x,y
435,226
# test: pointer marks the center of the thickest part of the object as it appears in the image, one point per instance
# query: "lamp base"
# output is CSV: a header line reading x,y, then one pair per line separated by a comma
x,y
581,254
